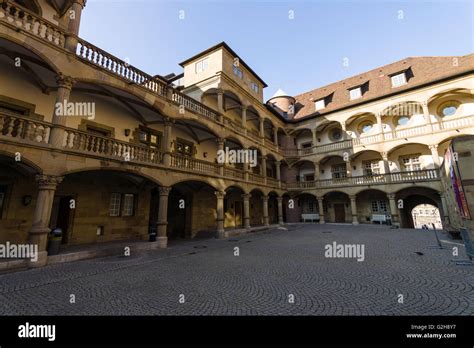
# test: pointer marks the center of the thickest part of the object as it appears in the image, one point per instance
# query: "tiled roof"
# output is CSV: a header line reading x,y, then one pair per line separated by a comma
x,y
420,71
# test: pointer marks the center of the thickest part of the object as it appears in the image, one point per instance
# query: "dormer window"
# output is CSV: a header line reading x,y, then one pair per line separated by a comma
x,y
355,93
399,80
237,72
319,104
202,65
254,87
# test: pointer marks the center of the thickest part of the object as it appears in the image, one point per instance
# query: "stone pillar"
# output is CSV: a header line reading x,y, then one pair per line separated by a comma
x,y
244,117
355,221
167,142
220,101
246,198
264,166
38,234
386,166
65,84
261,127
321,210
74,15
315,136
317,171
275,136
220,214
393,210
378,116
220,148
265,210
280,211
278,172
162,237
444,207
427,116
435,155
343,127
348,168
246,167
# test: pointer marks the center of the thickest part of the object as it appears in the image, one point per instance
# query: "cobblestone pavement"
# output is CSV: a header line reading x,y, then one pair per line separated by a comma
x,y
272,265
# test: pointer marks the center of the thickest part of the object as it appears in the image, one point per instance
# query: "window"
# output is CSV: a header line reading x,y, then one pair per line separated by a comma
x,y
184,147
237,72
336,134
150,137
97,131
122,204
254,87
114,209
403,120
399,80
319,104
202,65
379,207
371,168
448,109
355,93
339,171
411,163
128,204
366,127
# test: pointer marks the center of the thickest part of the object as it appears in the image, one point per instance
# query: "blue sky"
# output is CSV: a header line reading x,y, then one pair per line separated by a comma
x,y
296,54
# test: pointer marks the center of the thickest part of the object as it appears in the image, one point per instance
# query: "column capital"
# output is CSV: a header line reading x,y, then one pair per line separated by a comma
x,y
314,130
48,182
391,195
384,155
220,141
279,199
278,163
441,194
246,196
64,81
424,104
164,190
244,107
220,194
167,121
220,91
352,197
265,198
433,146
320,198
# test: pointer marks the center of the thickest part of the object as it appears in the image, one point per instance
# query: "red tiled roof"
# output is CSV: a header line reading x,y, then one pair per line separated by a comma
x,y
421,70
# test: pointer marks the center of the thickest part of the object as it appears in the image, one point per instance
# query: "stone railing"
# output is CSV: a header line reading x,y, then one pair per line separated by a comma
x,y
119,68
272,181
234,173
256,178
26,20
110,148
193,164
371,139
194,106
24,129
400,177
254,133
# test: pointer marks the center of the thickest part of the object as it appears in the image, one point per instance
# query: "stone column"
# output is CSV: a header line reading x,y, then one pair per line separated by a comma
x,y
38,234
244,117
355,221
444,207
280,211
321,210
74,15
278,172
220,105
220,148
265,210
343,127
393,210
378,116
317,171
435,155
167,142
162,237
275,136
427,116
315,136
65,84
220,214
348,168
386,167
246,198
261,127
246,167
264,166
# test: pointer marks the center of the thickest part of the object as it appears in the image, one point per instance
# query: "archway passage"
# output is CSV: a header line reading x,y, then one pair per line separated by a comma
x,y
426,216
103,206
303,203
337,207
233,208
272,208
256,208
192,211
412,197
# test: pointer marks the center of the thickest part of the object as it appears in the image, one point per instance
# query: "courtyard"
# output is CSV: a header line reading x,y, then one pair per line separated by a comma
x,y
274,272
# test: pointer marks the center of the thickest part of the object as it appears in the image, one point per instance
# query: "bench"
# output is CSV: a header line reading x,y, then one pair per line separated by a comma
x,y
380,218
311,217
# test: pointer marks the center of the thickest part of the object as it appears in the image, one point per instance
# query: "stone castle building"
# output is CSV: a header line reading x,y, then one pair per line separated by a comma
x,y
129,153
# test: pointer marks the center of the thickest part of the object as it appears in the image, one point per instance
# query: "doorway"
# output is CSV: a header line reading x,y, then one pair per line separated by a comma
x,y
339,212
61,216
